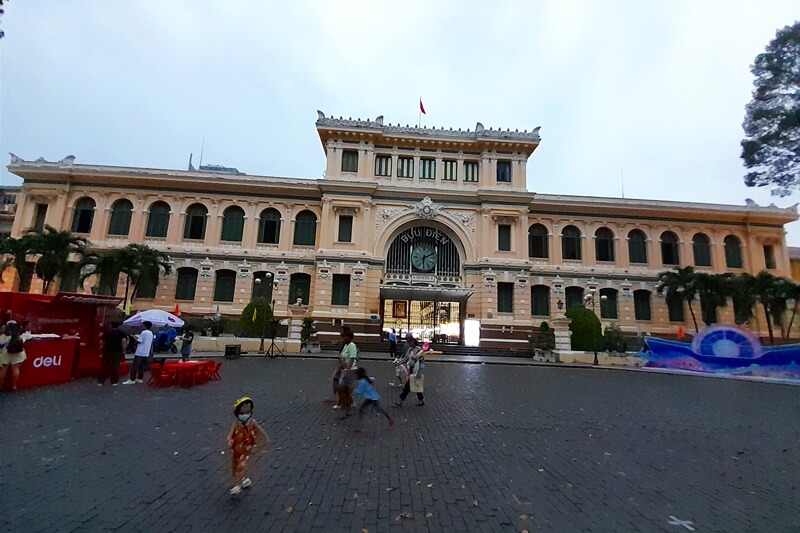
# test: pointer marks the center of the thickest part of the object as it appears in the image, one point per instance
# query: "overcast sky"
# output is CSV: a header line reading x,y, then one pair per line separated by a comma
x,y
653,90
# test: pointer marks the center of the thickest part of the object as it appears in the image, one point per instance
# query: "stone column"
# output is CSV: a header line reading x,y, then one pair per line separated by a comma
x,y
329,224
393,176
296,315
251,221
287,228
562,333
522,235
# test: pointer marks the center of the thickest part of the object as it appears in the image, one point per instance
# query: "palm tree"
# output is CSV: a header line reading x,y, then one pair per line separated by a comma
x,y
713,292
741,290
140,263
54,248
680,283
794,294
15,252
782,290
766,288
107,266
143,266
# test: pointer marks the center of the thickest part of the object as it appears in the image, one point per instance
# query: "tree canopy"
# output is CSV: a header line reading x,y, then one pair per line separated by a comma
x,y
771,147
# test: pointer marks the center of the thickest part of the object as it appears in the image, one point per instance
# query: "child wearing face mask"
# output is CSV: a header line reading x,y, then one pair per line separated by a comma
x,y
242,440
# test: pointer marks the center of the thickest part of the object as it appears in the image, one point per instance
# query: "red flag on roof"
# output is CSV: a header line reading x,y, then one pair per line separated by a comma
x,y
421,107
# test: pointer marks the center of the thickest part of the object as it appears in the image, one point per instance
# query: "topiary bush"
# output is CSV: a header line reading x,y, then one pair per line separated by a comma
x,y
585,328
263,323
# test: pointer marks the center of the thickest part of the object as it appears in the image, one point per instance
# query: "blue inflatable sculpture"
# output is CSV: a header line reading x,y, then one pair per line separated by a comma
x,y
724,350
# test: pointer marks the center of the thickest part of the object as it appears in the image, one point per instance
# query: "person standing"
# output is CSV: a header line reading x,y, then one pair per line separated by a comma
x,y
415,357
13,352
141,355
392,344
186,345
114,344
349,353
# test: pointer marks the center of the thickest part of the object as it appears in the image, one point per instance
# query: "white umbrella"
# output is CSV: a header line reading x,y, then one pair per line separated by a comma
x,y
159,319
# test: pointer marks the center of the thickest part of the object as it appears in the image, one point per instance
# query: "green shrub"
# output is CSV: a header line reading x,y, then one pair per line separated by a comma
x,y
263,323
545,338
613,341
585,328
307,333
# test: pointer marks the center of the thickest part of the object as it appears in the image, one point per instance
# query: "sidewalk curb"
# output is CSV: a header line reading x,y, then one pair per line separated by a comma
x,y
522,362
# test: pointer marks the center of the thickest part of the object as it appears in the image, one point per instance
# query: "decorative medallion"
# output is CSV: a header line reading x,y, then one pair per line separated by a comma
x,y
244,269
426,209
282,273
359,273
206,268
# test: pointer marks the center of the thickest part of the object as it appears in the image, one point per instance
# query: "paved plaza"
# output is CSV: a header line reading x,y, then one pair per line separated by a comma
x,y
495,448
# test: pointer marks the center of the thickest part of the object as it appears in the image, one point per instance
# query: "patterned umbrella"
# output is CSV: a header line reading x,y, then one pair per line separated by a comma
x,y
160,319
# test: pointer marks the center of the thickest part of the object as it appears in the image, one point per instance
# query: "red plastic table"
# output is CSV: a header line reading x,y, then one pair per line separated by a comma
x,y
184,370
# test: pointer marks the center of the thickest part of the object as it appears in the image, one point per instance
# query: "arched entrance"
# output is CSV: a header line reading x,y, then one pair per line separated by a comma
x,y
422,289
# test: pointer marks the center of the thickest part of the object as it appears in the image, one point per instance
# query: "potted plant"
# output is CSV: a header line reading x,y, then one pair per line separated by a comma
x,y
544,342
308,337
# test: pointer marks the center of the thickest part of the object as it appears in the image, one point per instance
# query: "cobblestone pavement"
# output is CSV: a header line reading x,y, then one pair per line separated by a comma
x,y
495,448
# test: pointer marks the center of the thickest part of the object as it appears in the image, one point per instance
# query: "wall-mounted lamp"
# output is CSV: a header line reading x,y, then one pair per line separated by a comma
x,y
560,305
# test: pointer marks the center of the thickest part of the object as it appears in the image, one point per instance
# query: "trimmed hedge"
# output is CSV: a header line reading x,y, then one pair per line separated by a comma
x,y
586,330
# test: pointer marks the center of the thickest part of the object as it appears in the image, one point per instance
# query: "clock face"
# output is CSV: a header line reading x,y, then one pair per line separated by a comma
x,y
423,258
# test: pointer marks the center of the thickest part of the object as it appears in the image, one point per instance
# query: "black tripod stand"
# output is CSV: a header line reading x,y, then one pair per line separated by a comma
x,y
270,352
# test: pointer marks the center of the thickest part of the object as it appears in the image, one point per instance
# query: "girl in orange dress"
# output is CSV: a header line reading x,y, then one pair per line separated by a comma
x,y
242,440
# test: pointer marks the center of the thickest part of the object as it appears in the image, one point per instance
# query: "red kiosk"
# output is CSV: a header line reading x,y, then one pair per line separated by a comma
x,y
78,319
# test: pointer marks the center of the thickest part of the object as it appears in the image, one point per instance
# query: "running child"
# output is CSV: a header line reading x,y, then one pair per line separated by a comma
x,y
371,398
242,440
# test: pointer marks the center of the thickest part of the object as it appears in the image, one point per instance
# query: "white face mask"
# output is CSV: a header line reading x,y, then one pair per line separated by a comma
x,y
245,417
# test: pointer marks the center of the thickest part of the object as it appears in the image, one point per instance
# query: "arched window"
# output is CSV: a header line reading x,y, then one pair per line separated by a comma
x,y
187,283
574,297
269,226
571,243
305,229
537,241
604,244
232,224
733,252
83,216
262,285
669,249
225,285
641,305
540,300
195,227
120,223
608,307
158,220
637,247
299,287
701,246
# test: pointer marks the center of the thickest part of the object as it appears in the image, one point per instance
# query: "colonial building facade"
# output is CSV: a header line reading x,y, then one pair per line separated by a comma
x,y
413,228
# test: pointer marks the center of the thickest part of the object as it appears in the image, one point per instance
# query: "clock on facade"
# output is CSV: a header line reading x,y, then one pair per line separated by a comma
x,y
423,257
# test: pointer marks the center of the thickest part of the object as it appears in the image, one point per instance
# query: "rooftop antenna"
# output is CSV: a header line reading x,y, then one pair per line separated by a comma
x,y
202,147
622,181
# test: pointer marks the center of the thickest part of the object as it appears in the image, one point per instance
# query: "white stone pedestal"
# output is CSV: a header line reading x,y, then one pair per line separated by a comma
x,y
562,333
